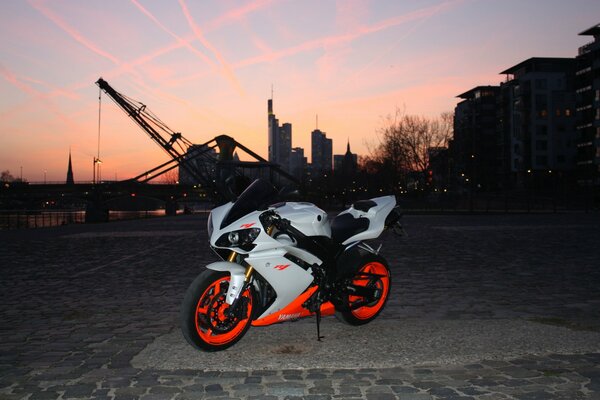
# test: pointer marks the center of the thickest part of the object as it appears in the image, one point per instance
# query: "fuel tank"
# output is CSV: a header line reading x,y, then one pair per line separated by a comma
x,y
306,217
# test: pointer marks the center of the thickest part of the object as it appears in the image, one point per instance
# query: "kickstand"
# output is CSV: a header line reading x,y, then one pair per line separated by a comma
x,y
319,337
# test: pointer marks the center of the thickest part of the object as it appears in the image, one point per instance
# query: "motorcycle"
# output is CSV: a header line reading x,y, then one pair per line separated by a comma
x,y
287,261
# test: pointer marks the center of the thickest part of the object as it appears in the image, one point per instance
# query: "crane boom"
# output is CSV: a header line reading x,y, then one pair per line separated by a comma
x,y
174,143
184,153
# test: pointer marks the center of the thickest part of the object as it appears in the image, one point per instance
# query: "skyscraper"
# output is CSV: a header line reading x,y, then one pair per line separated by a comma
x,y
297,162
273,128
285,145
280,139
321,152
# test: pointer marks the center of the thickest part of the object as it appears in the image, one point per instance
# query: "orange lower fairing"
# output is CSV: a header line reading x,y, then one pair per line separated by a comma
x,y
294,310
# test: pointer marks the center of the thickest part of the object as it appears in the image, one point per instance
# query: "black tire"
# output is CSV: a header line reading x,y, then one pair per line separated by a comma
x,y
202,321
368,263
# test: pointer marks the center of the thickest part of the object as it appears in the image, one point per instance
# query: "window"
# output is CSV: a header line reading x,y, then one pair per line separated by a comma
x,y
541,105
541,145
541,84
567,112
541,130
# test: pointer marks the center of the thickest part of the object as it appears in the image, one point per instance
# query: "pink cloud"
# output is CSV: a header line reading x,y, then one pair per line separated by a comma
x,y
226,68
233,15
179,39
10,77
72,32
237,14
350,13
334,40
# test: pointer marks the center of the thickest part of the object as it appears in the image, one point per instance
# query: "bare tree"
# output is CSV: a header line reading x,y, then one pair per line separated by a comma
x,y
170,177
6,176
405,142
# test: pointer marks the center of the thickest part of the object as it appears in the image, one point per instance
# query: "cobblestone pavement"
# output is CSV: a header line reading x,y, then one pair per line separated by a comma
x,y
79,303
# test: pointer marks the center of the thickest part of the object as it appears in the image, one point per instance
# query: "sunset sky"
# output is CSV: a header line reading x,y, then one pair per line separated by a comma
x,y
206,68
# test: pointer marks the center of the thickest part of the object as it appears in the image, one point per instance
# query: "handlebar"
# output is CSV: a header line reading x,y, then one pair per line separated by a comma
x,y
282,224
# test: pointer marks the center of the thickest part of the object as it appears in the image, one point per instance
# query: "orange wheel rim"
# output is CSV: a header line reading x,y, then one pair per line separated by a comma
x,y
212,324
382,284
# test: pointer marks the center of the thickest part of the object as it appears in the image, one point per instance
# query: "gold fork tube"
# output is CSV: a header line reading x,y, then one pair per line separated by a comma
x,y
232,256
248,272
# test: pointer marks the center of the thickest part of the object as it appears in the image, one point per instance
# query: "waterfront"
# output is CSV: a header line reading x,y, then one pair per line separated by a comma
x,y
11,219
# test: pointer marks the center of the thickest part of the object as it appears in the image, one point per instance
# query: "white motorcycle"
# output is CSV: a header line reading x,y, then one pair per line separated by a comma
x,y
287,261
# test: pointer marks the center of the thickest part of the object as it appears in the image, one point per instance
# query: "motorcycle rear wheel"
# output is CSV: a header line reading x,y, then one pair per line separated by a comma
x,y
369,264
203,318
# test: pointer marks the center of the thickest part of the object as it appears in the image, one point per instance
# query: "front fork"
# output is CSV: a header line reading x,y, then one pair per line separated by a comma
x,y
239,282
239,279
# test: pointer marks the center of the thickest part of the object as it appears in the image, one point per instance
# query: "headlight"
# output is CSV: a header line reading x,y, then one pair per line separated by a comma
x,y
209,227
234,238
242,239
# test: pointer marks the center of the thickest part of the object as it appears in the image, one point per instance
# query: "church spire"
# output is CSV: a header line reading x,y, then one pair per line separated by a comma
x,y
348,147
70,180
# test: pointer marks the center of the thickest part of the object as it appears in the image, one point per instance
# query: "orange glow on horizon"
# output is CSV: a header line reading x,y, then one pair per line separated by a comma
x,y
207,68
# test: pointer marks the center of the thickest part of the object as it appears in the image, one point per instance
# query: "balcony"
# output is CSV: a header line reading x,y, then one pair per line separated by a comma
x,y
586,48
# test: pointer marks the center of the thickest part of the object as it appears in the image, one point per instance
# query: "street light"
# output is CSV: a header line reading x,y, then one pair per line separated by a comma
x,y
97,163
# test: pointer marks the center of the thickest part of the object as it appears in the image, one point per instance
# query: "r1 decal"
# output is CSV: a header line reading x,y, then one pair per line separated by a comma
x,y
281,267
247,225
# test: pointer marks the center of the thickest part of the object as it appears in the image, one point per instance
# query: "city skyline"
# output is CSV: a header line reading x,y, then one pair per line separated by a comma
x,y
207,69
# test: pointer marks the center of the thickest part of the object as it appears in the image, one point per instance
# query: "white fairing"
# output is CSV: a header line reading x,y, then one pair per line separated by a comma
x,y
306,217
267,256
376,216
288,279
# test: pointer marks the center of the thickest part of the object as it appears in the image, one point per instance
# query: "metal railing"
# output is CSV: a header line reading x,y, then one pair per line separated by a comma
x,y
17,219
24,219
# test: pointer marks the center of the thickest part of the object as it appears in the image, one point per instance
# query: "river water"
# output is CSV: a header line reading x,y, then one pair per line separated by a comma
x,y
12,219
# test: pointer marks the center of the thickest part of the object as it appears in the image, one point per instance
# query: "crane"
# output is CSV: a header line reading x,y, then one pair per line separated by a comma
x,y
182,151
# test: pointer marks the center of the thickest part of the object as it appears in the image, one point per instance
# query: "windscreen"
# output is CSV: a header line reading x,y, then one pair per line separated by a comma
x,y
257,196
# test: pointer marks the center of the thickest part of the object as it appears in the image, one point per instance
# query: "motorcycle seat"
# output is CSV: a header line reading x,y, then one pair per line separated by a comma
x,y
364,205
345,225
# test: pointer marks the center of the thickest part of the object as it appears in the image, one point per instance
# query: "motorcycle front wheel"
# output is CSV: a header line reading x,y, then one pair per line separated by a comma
x,y
371,272
207,322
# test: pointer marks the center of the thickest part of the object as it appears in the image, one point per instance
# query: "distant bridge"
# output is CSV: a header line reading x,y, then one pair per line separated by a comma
x,y
99,198
215,173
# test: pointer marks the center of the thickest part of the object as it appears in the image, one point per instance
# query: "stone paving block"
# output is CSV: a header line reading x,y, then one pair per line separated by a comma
x,y
78,391
415,396
380,396
48,395
82,331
